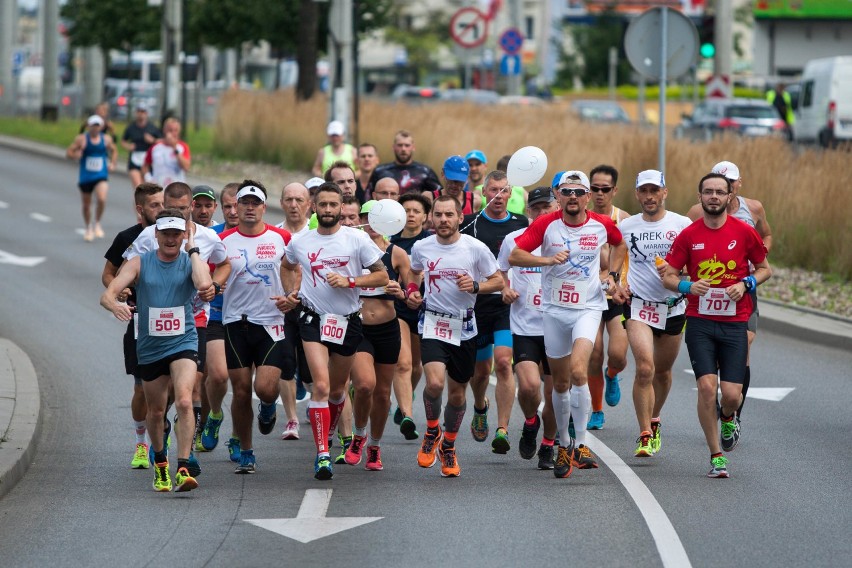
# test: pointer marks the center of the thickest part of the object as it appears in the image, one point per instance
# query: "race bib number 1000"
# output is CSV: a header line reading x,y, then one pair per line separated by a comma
x,y
333,328
442,328
166,322
716,303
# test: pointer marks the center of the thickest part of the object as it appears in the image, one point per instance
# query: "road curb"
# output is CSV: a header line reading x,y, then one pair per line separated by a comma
x,y
805,324
19,392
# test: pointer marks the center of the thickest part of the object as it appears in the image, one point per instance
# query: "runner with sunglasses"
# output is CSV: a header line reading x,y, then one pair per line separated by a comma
x,y
604,187
573,301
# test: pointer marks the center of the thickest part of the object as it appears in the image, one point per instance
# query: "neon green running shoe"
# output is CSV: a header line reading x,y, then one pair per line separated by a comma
x,y
500,443
184,481
162,480
479,423
656,440
643,446
345,441
720,467
140,457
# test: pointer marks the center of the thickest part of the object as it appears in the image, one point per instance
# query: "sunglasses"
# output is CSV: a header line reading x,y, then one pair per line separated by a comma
x,y
601,188
575,191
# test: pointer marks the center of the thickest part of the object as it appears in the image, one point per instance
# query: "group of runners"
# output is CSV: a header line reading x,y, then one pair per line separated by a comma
x,y
483,279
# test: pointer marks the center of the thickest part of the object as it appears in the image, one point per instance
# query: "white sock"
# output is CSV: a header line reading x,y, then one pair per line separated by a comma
x,y
360,431
561,408
373,442
581,408
141,431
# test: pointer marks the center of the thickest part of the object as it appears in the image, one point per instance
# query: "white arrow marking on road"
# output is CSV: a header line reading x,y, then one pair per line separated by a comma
x,y
4,205
40,217
28,261
311,523
775,394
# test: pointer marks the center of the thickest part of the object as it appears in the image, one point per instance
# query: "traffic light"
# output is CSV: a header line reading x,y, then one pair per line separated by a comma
x,y
706,37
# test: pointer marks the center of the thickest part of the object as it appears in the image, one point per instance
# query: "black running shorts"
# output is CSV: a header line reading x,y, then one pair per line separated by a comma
x,y
529,348
460,360
309,328
152,371
248,344
717,348
382,341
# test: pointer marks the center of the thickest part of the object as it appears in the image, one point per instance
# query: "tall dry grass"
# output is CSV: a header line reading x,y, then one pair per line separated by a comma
x,y
805,192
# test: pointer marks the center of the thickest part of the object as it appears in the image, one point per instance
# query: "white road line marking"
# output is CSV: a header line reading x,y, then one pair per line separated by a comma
x,y
669,546
690,371
40,217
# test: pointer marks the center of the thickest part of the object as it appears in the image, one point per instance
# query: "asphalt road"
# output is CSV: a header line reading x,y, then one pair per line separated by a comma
x,y
787,502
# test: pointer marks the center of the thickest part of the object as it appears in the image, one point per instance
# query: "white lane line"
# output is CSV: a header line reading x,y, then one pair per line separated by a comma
x,y
4,205
40,217
671,550
690,371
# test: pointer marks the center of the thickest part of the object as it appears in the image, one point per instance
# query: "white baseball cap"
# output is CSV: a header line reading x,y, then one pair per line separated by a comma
x,y
727,169
575,177
314,182
654,177
94,119
164,223
252,191
335,128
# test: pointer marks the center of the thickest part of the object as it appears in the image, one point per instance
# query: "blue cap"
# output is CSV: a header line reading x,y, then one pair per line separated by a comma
x,y
556,179
456,168
476,155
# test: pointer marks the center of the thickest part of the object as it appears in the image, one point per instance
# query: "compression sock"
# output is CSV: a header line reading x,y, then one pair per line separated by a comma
x,y
596,388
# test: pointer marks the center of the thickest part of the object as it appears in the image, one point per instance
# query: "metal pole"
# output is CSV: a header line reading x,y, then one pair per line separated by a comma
x,y
8,24
50,62
723,35
513,82
664,21
613,69
642,99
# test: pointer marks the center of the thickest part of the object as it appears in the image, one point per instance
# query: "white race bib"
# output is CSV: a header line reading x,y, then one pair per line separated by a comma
x,y
650,313
716,303
137,158
333,328
276,332
533,299
94,163
442,328
135,325
166,322
569,293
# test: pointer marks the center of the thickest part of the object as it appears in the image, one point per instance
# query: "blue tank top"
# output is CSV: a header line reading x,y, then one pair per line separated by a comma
x,y
164,285
93,162
216,302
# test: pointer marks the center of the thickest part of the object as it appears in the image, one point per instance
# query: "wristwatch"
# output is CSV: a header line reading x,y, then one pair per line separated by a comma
x,y
217,287
615,276
476,287
192,250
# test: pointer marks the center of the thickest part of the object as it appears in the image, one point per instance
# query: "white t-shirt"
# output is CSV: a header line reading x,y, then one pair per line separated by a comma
x,y
304,229
347,252
255,275
574,284
442,265
164,165
210,249
645,241
525,313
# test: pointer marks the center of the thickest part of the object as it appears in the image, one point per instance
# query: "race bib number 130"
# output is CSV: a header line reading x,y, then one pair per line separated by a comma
x,y
569,293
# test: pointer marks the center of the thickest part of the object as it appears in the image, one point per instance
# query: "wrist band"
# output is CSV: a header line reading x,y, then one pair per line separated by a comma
x,y
750,283
684,286
192,250
351,282
411,288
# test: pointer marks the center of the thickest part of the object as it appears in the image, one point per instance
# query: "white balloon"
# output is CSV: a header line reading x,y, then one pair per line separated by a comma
x,y
387,217
526,166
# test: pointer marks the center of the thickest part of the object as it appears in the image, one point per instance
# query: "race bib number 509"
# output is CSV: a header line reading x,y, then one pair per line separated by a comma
x,y
166,322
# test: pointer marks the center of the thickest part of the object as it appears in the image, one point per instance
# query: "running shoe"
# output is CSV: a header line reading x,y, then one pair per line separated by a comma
x,y
374,459
398,416
612,392
527,443
583,458
266,418
167,430
301,392
140,457
184,481
210,434
322,468
291,432
545,457
99,232
730,434
192,465
408,428
644,448
500,443
449,463
89,236
564,465
248,463
426,456
234,449
162,480
345,442
720,467
479,423
355,451
656,440
596,420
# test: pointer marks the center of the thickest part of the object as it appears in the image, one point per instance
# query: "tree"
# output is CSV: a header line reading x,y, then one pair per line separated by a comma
x,y
422,42
125,26
589,60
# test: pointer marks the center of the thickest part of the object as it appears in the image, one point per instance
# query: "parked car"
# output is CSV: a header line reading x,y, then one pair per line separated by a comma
x,y
600,111
415,94
521,100
122,102
475,96
824,113
745,117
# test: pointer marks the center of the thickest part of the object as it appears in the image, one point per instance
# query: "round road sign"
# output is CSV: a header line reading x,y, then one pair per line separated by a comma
x,y
469,27
643,43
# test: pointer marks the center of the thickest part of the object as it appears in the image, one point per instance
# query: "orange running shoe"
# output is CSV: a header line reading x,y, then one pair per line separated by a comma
x,y
431,440
449,463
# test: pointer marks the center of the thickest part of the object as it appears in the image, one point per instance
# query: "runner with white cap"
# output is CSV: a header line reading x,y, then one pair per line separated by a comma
x,y
751,212
336,150
97,154
572,303
654,316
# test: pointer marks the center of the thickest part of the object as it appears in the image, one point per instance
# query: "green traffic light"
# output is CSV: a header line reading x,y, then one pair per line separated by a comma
x,y
707,50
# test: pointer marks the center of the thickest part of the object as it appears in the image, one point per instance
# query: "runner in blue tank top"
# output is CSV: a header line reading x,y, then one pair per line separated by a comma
x,y
96,153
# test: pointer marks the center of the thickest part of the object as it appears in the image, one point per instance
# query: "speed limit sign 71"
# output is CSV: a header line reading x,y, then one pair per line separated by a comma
x,y
469,27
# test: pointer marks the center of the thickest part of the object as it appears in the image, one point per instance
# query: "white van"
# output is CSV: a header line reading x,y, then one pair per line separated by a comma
x,y
824,113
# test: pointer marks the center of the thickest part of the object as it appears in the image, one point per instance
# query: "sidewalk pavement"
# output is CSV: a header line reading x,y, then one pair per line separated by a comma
x,y
20,413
